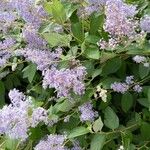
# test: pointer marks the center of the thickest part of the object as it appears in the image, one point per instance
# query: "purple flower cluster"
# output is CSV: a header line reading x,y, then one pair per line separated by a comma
x,y
30,34
39,115
53,142
42,58
7,17
7,43
93,6
31,14
145,24
124,86
110,45
119,18
141,59
15,118
87,112
65,80
119,87
4,56
16,97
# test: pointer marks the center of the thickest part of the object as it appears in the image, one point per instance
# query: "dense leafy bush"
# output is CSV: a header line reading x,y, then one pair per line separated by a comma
x,y
74,74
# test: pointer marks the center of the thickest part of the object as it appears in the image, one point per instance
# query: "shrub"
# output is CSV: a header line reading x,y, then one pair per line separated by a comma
x,y
74,74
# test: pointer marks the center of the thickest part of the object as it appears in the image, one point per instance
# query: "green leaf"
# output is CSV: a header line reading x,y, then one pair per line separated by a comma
x,y
2,94
111,66
148,96
97,125
92,52
47,7
11,144
56,39
29,72
111,119
92,39
145,130
58,11
70,8
144,102
126,139
126,101
78,132
96,22
97,142
77,31
106,56
64,106
143,71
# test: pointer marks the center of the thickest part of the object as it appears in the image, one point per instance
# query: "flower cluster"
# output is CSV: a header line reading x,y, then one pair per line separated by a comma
x,y
42,58
65,80
87,112
124,86
92,6
141,59
15,118
31,14
110,45
118,18
52,142
145,24
7,43
30,34
4,56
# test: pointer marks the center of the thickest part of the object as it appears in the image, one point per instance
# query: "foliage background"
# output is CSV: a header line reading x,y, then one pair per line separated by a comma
x,y
124,119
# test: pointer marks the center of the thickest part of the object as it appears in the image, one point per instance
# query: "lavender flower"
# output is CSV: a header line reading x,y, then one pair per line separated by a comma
x,y
53,142
129,80
42,58
6,5
117,18
139,59
137,88
4,56
145,24
119,87
65,80
7,17
110,45
14,121
87,112
31,36
31,14
39,115
16,97
7,43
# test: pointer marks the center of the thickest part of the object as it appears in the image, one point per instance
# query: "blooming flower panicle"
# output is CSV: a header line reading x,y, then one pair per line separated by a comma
x,y
16,97
65,80
137,88
129,80
7,43
145,24
119,87
4,57
31,36
87,112
118,21
39,115
53,142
